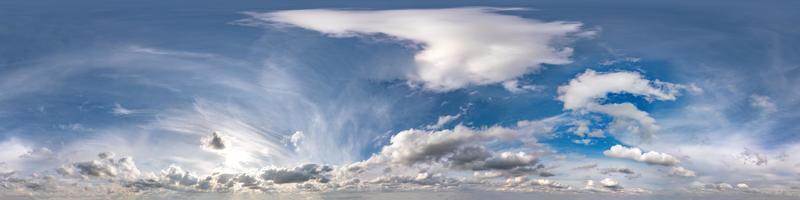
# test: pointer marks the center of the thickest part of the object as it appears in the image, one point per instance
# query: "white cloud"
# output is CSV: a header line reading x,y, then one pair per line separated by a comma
x,y
105,167
11,155
610,183
443,120
508,160
414,146
549,183
582,141
458,47
513,86
296,139
651,157
583,93
680,171
591,86
119,110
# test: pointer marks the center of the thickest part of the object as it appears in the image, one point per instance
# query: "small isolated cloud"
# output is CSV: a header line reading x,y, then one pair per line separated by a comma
x,y
610,184
119,110
582,141
443,120
214,141
604,185
296,139
549,183
458,46
651,157
680,171
513,86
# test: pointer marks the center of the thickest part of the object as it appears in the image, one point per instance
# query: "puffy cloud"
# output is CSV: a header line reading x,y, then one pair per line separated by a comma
x,y
606,185
508,160
415,146
591,86
296,139
175,175
298,174
610,184
424,179
214,141
651,157
680,171
549,183
585,91
582,141
717,186
458,46
106,167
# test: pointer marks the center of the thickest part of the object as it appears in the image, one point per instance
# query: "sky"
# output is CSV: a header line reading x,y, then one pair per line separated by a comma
x,y
361,99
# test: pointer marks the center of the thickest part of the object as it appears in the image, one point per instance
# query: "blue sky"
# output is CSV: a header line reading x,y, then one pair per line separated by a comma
x,y
571,98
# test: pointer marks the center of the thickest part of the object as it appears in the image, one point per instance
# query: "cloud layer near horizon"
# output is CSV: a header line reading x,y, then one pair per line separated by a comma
x,y
302,116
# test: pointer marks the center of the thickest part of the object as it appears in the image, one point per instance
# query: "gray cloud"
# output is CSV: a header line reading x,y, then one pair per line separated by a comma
x,y
214,141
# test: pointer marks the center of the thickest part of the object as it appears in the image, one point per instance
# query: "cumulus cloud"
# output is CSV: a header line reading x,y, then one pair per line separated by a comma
x,y
605,185
591,86
105,167
214,141
610,184
680,171
416,146
458,47
296,139
585,91
298,174
508,160
549,183
633,153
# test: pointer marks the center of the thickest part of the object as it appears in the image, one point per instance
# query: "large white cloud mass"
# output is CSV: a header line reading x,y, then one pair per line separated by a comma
x,y
651,157
458,46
